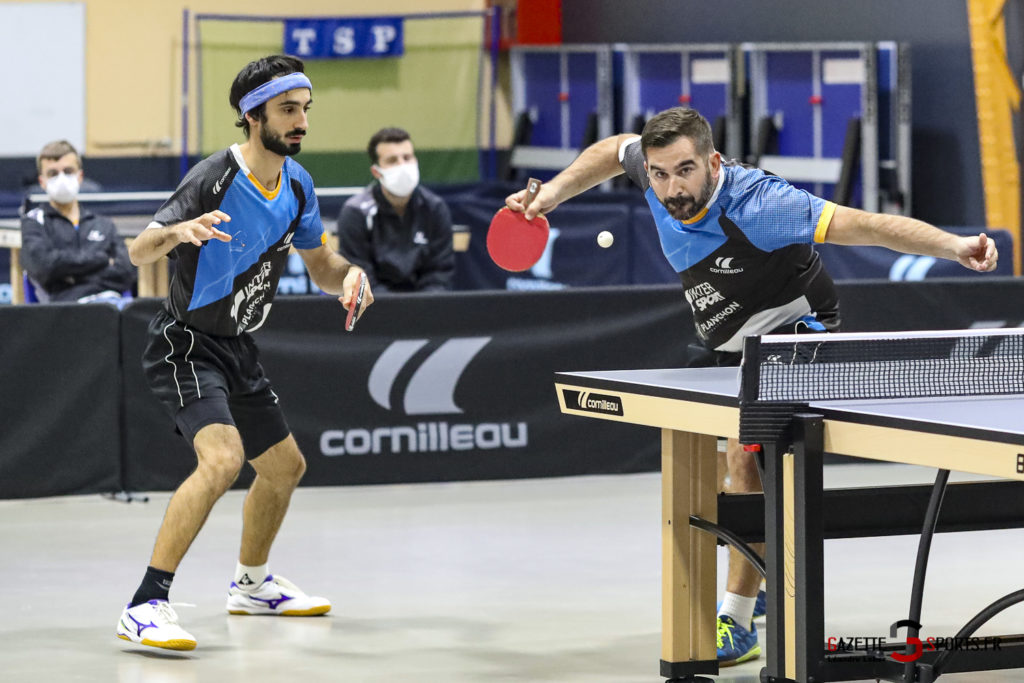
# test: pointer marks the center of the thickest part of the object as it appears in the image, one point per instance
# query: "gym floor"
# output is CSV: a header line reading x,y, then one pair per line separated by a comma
x,y
532,580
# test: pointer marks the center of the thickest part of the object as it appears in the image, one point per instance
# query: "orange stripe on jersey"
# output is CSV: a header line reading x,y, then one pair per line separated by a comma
x,y
269,194
824,220
700,215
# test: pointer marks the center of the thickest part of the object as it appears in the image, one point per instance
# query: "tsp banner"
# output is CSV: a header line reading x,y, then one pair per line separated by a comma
x,y
343,38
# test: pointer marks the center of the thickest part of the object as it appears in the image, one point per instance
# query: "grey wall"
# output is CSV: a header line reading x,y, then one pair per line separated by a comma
x,y
947,185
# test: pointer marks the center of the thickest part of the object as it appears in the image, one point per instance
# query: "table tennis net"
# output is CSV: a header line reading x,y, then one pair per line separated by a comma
x,y
822,367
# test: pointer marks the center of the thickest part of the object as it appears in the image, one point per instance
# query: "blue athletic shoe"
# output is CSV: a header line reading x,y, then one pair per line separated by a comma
x,y
759,607
735,643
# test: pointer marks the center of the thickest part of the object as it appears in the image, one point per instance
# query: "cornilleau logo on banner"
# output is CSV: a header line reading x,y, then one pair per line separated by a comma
x,y
911,268
430,391
432,387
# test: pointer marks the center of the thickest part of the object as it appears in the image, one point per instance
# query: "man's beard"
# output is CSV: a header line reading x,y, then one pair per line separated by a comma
x,y
275,143
683,206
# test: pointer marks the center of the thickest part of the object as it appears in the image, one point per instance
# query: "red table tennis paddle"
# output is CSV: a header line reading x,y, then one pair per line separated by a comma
x,y
513,242
356,305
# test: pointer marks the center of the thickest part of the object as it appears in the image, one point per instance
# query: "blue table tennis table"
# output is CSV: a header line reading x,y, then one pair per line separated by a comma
x,y
693,407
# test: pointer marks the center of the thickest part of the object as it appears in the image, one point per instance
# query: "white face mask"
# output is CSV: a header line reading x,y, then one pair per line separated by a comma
x,y
400,180
62,188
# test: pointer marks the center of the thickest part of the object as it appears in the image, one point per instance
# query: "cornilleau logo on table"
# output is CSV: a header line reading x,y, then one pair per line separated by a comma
x,y
430,391
592,403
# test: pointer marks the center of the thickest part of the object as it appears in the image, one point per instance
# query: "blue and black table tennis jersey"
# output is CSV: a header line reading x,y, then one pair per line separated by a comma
x,y
226,288
746,260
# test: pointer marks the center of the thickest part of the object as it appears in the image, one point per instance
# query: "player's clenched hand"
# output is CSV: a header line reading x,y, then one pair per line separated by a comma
x,y
203,228
977,253
350,287
545,201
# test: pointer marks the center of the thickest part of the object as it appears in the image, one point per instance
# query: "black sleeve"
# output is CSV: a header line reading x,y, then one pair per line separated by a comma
x,y
186,202
439,267
354,242
632,162
49,262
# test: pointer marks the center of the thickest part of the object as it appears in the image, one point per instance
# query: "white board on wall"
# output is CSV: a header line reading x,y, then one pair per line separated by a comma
x,y
43,45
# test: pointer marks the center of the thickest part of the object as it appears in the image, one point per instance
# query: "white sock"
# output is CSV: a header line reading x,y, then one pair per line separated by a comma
x,y
739,608
250,578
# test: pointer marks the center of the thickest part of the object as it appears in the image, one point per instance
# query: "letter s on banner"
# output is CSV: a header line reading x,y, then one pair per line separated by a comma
x,y
344,41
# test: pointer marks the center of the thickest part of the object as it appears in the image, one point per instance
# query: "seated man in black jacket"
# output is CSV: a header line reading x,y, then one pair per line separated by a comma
x,y
70,253
397,231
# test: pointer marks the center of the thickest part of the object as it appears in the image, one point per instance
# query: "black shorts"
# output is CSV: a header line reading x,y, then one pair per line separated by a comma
x,y
203,379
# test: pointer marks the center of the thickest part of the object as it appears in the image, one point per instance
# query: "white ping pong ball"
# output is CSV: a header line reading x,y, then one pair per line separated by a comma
x,y
605,239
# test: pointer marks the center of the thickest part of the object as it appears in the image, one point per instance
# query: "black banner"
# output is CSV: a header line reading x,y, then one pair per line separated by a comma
x,y
428,388
438,388
954,304
460,387
60,401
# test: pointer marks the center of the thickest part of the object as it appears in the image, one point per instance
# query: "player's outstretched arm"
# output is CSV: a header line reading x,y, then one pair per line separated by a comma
x,y
156,241
593,166
911,236
334,274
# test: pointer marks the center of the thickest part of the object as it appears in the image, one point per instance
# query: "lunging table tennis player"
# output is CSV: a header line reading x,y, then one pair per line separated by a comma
x,y
740,239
